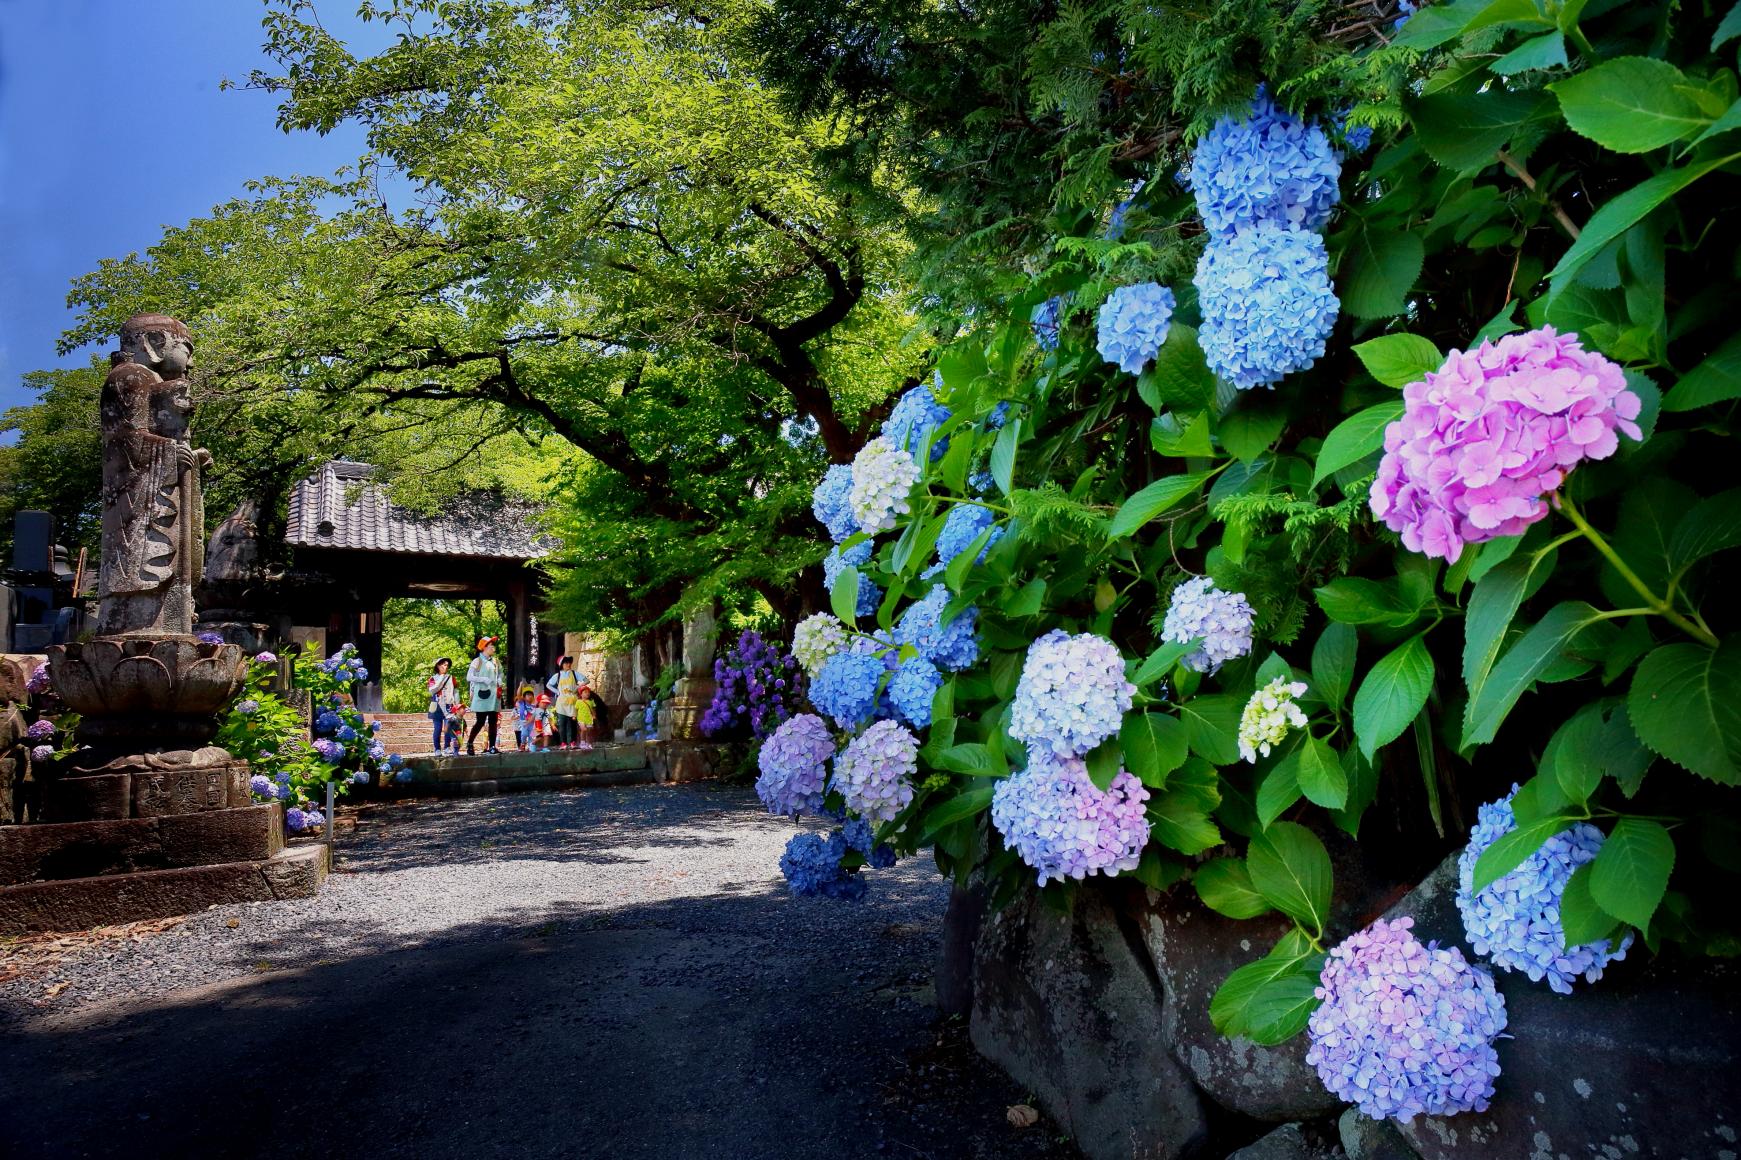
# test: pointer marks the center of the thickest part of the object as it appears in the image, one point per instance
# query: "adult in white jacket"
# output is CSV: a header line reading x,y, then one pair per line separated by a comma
x,y
484,676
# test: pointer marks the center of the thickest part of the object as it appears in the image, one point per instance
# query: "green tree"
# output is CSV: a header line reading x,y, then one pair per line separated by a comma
x,y
56,463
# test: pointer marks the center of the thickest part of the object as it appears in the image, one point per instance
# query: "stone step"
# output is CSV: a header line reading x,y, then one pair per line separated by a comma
x,y
63,850
485,787
511,766
83,903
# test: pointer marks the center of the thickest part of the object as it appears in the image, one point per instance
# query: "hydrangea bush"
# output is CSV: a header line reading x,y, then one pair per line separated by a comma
x,y
1478,527
757,686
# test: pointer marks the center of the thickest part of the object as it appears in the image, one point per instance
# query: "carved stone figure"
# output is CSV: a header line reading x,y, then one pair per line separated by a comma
x,y
153,515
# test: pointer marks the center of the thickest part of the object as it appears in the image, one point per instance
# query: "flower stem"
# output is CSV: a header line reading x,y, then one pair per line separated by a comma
x,y
1658,604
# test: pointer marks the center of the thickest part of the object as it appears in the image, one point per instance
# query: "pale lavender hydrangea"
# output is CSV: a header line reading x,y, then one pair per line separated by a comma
x,y
1515,920
1268,305
1222,620
951,643
874,772
1485,439
262,786
1268,166
1052,815
248,708
817,638
794,765
831,502
42,753
1072,694
1403,1029
209,638
1133,323
882,477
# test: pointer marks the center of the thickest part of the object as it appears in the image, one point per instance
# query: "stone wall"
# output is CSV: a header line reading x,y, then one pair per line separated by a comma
x,y
1103,1013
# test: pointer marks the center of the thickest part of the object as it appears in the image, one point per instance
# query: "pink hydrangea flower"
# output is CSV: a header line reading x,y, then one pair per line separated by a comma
x,y
1487,438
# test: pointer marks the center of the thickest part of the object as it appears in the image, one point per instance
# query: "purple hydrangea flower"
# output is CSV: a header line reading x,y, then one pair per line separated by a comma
x,y
1265,167
951,644
1133,323
1403,1029
1487,437
1268,305
262,786
1515,920
39,680
248,708
883,476
1222,619
916,414
1052,815
209,638
295,820
874,772
41,753
831,502
751,695
1072,694
266,658
845,687
811,865
330,751
911,688
794,765
346,734
327,721
40,730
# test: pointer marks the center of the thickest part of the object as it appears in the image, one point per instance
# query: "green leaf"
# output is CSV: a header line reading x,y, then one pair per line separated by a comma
x,y
1509,852
1320,774
1352,600
1715,380
1396,360
1249,431
969,758
1161,662
1353,439
951,810
1152,500
1003,454
1179,823
1154,746
1291,869
1581,920
1499,12
1279,789
1225,887
1028,601
955,575
1103,763
1631,104
1519,668
1271,1000
1379,268
1728,29
1193,439
1180,377
844,598
1631,870
1392,694
1464,131
1436,24
1212,727
1333,663
1597,743
1495,600
1685,703
1727,123
1546,51
1713,525
1625,211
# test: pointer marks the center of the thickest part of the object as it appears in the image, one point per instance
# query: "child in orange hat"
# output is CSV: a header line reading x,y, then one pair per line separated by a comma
x,y
542,726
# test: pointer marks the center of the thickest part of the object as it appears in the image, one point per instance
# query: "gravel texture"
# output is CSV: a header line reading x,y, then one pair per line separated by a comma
x,y
596,972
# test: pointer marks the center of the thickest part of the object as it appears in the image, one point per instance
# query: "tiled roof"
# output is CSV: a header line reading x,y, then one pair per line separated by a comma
x,y
338,508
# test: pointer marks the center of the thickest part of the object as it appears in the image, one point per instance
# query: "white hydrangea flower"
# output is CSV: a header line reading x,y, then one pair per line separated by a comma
x,y
882,476
816,639
1222,619
1268,716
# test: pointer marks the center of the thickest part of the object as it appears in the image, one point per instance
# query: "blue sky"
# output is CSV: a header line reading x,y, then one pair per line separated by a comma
x,y
85,173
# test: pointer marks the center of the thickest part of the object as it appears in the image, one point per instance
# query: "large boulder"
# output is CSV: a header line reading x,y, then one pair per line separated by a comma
x,y
961,923
1287,1142
1069,1006
1644,1062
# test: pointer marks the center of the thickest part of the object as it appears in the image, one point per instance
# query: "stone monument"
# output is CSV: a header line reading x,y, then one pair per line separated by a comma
x,y
150,819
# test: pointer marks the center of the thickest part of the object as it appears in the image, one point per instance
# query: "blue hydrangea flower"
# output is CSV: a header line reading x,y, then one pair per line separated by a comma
x,y
870,594
961,527
1515,921
1358,138
811,865
882,857
883,475
1222,619
1405,9
1266,167
295,820
1403,1030
314,818
330,751
1072,694
845,687
377,750
1268,305
951,645
831,502
999,416
361,777
403,775
911,689
1133,323
914,417
346,734
394,761
980,482
1045,320
327,722
873,774
262,787
1054,817
1115,220
794,765
248,708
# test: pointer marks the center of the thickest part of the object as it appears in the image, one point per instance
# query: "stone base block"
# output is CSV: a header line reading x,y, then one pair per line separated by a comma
x,y
675,761
149,785
82,903
55,851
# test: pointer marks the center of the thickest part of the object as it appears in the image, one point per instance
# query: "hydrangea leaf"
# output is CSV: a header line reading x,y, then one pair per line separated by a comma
x,y
1728,29
1685,703
1152,500
1291,869
1353,439
1104,762
1246,1005
1463,131
1179,823
1161,662
844,598
1631,104
1498,594
1713,525
1545,51
968,758
1597,742
1248,431
1333,663
1581,920
1212,727
1003,455
1157,872
1320,774
1522,666
1224,885
1280,788
1181,441
1352,600
1028,600
1508,852
1362,781
1379,269
1154,746
951,810
1392,694
1630,874
1437,24
1179,377
1396,360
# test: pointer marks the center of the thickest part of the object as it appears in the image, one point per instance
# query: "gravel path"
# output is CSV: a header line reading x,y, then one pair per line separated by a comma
x,y
588,973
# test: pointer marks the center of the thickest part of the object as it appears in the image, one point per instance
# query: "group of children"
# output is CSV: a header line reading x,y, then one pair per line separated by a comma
x,y
563,716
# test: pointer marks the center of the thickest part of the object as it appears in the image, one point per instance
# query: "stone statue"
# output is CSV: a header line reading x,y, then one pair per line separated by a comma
x,y
153,514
